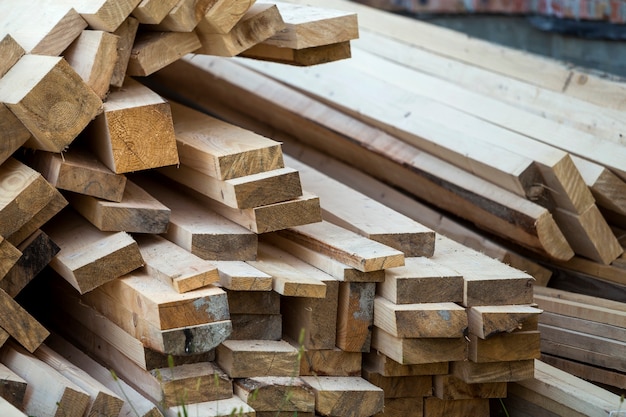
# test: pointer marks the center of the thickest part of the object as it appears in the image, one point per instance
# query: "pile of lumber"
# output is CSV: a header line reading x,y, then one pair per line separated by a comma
x,y
162,256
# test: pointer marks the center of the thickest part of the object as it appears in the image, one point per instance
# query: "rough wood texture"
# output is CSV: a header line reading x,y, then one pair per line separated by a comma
x,y
355,316
13,387
184,16
18,323
401,386
384,365
436,407
80,172
239,276
105,15
508,371
299,57
54,206
486,321
256,326
88,256
345,396
516,346
153,11
220,408
419,351
270,393
252,358
223,15
154,50
329,362
9,255
135,132
449,387
126,32
52,101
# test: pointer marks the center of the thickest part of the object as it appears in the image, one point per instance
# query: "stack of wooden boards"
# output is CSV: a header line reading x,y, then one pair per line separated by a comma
x,y
183,265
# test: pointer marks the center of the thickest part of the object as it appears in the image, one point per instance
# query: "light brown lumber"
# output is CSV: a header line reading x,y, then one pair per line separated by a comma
x,y
50,99
345,396
287,275
88,256
256,326
240,276
478,407
220,408
420,320
253,302
48,392
106,15
247,192
345,246
508,347
329,362
583,325
449,387
419,351
223,15
276,394
402,407
37,252
13,387
174,265
222,150
487,281
24,192
54,206
154,50
355,316
198,229
252,358
354,211
257,24
422,280
41,33
384,365
14,133
134,403
564,394
332,267
184,16
135,132
312,321
161,305
19,323
299,57
93,55
79,171
587,372
607,188
487,206
153,11
486,321
309,26
137,212
102,402
126,33
485,372
400,386
10,255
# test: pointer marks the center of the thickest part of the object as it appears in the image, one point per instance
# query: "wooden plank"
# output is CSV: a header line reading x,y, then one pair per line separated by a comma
x,y
43,33
10,255
310,26
336,269
137,212
355,316
607,188
582,325
24,193
134,404
53,102
257,24
89,257
240,276
253,302
436,407
20,324
126,33
419,351
507,371
314,55
329,362
175,266
153,11
13,52
400,386
256,327
345,246
105,15
164,307
516,346
252,358
420,320
449,387
276,394
403,407
489,207
247,192
487,281
93,55
288,277
422,280
154,50
198,229
223,15
345,396
587,372
567,394
184,16
486,321
135,132
384,365
222,150
37,252
220,408
48,392
354,211
102,401
80,172
13,388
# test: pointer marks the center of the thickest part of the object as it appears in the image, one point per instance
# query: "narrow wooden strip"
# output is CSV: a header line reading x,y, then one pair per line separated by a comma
x,y
516,346
10,255
449,387
250,358
220,408
155,50
105,15
345,395
20,324
223,15
126,32
153,11
507,371
355,316
276,394
587,372
314,55
13,388
54,206
184,16
486,321
386,366
240,276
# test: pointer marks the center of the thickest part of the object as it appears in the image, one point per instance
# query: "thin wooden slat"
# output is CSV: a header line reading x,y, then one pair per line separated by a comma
x,y
154,50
